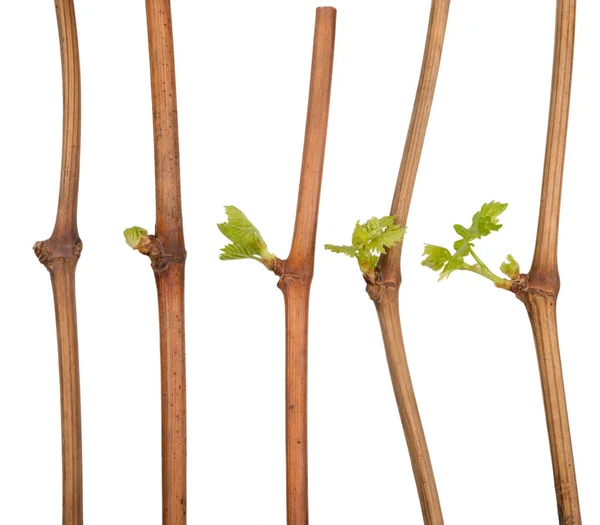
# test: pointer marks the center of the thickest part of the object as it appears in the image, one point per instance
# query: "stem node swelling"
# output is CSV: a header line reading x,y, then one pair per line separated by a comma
x,y
59,254
377,289
152,246
544,280
387,301
166,250
50,253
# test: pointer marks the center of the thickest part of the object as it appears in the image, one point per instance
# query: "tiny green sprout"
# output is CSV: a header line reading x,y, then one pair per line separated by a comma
x,y
484,222
134,235
369,240
246,240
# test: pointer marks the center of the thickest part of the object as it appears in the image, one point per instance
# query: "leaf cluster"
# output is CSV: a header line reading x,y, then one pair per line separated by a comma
x,y
246,240
484,222
370,240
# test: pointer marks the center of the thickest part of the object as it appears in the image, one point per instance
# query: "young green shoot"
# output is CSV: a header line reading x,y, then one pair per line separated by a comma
x,y
484,222
246,240
369,241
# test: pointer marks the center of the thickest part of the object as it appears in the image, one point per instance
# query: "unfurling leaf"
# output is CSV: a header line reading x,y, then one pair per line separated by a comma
x,y
484,222
360,235
371,239
510,267
246,240
437,257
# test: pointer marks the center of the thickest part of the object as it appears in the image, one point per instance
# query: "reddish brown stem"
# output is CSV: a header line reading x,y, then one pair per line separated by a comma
x,y
60,254
296,272
541,286
168,260
296,295
384,289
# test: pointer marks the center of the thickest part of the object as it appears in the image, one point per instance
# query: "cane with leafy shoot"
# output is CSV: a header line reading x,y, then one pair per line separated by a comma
x,y
537,289
377,246
295,273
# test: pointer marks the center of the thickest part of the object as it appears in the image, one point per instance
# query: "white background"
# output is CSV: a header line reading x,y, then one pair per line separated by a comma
x,y
242,72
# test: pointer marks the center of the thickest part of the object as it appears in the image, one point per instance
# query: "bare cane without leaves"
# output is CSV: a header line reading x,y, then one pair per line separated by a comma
x,y
59,254
295,272
539,288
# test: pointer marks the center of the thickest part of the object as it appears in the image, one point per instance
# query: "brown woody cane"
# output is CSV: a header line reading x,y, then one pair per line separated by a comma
x,y
59,254
297,270
539,288
384,290
167,254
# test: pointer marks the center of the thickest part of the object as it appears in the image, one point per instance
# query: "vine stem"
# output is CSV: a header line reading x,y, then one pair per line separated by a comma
x,y
297,270
168,261
542,284
59,254
384,290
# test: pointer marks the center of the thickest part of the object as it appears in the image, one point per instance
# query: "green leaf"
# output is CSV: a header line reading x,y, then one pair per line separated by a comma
x,y
246,240
238,227
487,218
510,267
462,231
389,237
371,239
492,210
134,235
437,257
360,236
237,251
483,223
387,221
350,251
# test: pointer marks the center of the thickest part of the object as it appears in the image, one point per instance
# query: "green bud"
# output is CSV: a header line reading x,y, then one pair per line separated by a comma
x,y
134,235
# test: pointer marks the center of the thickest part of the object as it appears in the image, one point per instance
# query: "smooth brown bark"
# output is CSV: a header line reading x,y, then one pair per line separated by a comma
x,y
539,288
542,314
296,272
168,261
389,319
60,254
415,138
296,296
384,290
